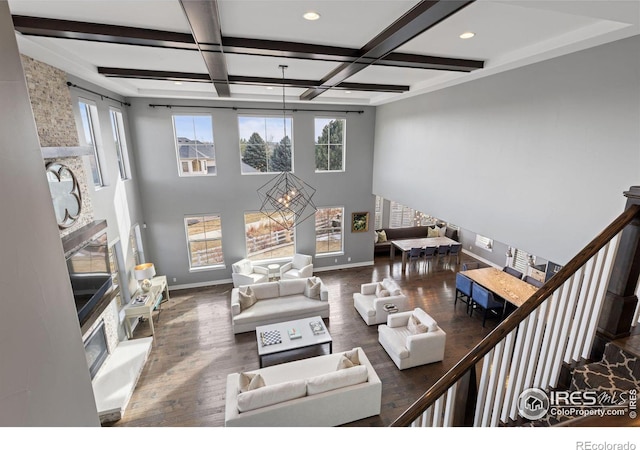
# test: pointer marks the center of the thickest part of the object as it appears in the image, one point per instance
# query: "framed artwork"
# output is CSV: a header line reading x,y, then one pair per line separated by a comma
x,y
359,222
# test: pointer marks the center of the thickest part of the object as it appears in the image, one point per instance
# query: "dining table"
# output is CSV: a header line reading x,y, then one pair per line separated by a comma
x,y
405,246
510,288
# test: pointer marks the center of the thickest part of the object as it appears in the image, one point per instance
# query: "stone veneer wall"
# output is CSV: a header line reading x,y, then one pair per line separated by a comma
x,y
53,113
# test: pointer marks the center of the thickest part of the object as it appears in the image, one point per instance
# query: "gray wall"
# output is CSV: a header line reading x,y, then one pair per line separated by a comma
x,y
537,157
44,376
168,198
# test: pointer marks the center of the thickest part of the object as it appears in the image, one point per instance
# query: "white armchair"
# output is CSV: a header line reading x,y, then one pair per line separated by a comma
x,y
245,272
407,349
300,267
370,302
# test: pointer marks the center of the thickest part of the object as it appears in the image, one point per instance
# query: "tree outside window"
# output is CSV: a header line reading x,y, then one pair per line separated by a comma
x,y
204,238
329,226
266,239
264,146
329,144
194,145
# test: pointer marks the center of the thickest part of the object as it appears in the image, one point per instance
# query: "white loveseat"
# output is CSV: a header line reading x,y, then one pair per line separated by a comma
x,y
277,301
407,349
371,306
306,393
245,272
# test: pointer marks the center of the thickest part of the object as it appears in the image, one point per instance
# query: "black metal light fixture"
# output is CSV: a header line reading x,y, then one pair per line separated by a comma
x,y
286,199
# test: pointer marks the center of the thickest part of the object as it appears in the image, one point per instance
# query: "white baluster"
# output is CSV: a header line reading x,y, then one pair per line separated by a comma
x,y
502,376
449,409
549,331
525,360
482,391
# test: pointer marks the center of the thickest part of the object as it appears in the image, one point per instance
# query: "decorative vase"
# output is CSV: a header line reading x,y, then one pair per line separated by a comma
x,y
145,285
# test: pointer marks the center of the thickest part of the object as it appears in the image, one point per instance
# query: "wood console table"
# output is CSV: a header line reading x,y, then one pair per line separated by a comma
x,y
159,286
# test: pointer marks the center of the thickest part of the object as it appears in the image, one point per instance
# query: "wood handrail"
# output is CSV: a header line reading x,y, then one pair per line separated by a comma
x,y
514,319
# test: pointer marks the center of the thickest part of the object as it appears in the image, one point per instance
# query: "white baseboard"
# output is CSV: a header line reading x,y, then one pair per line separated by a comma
x,y
177,287
486,261
343,266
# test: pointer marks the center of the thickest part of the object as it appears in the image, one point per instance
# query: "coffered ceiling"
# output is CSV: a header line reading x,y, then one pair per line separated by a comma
x,y
357,52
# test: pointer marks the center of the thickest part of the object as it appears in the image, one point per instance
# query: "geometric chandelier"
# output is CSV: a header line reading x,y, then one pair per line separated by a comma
x,y
286,199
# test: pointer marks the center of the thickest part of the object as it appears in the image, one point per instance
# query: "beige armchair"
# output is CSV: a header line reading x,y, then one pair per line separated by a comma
x,y
301,266
245,272
409,347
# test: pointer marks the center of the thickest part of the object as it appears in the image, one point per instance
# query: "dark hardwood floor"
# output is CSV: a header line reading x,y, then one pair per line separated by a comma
x,y
183,383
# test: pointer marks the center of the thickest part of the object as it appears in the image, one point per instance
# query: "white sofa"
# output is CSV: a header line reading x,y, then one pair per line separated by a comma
x,y
244,272
277,301
293,391
371,307
301,266
407,349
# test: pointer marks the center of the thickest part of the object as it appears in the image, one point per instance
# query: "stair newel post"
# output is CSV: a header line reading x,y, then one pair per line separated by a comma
x,y
620,300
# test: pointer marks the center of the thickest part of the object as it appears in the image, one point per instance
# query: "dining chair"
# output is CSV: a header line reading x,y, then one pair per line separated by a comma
x,y
428,255
532,281
511,271
415,254
443,250
463,290
486,301
470,265
454,250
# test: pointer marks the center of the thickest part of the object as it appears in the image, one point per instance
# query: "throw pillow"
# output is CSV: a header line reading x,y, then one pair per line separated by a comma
x,y
352,355
433,232
384,293
250,381
376,237
312,289
442,231
414,325
382,236
247,299
344,363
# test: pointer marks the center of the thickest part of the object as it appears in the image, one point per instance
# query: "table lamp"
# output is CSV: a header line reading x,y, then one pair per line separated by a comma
x,y
143,273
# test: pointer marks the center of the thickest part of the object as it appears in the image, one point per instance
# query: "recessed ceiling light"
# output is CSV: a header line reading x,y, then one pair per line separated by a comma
x,y
311,15
347,92
269,88
177,82
467,35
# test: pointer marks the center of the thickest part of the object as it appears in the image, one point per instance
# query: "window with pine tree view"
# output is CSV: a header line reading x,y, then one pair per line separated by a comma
x,y
204,238
264,147
329,144
329,225
194,145
267,239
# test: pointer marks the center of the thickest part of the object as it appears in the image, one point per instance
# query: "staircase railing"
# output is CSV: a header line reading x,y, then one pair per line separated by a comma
x,y
556,325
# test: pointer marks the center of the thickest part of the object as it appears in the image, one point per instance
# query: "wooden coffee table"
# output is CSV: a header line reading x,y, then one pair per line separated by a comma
x,y
307,337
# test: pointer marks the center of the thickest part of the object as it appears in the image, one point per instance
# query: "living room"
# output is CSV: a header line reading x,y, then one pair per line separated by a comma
x,y
578,111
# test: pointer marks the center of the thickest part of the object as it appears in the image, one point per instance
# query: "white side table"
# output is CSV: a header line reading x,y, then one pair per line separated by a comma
x,y
274,271
159,286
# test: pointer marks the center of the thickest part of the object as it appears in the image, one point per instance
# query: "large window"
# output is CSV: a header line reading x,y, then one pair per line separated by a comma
x,y
194,145
377,220
204,239
266,239
401,216
117,126
91,134
329,144
329,226
265,147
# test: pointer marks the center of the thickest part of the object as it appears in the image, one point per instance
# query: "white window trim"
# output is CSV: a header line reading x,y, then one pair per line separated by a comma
x,y
344,144
484,243
341,251
123,152
94,129
218,266
190,174
279,260
290,134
